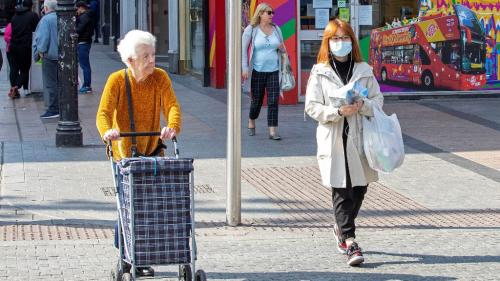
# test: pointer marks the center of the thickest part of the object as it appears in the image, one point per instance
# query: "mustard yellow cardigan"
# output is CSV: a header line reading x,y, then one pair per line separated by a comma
x,y
149,97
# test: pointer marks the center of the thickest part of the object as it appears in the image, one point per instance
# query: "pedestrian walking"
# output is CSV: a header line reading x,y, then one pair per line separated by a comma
x,y
7,36
341,159
45,48
23,24
95,7
262,42
85,30
151,94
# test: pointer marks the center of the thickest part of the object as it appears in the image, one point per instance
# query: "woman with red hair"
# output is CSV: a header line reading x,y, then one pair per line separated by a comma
x,y
341,158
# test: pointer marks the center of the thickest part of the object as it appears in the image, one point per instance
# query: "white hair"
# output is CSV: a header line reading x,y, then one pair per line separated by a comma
x,y
128,45
50,4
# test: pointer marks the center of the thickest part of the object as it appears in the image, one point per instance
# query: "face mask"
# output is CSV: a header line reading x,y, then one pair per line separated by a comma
x,y
340,48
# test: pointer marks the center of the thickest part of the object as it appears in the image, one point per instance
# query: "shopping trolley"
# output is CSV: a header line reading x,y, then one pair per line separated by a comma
x,y
155,202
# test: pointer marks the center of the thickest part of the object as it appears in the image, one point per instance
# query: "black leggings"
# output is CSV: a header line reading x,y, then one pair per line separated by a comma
x,y
20,63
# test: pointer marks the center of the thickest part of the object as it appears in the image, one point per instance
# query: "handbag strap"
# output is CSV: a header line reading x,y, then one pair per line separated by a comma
x,y
130,113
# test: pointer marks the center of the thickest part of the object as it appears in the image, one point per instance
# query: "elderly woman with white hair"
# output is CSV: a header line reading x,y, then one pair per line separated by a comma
x,y
151,93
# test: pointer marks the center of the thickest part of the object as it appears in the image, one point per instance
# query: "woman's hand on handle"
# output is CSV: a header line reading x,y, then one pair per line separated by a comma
x,y
111,135
244,75
167,133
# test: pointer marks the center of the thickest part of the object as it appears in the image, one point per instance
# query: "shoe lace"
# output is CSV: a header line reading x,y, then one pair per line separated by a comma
x,y
353,249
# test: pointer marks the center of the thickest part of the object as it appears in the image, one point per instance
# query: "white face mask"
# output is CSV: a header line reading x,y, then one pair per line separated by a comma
x,y
340,48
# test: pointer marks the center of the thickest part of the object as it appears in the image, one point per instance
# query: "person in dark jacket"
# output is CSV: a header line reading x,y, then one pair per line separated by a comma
x,y
85,30
24,24
95,7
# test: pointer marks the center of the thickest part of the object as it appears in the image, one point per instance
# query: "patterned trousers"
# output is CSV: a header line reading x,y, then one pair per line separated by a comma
x,y
260,82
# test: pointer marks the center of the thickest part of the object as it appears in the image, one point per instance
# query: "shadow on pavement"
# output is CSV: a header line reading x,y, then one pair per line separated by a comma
x,y
96,224
319,276
430,259
72,205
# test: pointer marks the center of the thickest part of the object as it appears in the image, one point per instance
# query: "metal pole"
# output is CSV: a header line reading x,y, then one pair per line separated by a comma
x,y
355,18
233,208
69,132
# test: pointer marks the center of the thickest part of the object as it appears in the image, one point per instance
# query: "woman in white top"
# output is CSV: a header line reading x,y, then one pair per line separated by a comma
x,y
262,41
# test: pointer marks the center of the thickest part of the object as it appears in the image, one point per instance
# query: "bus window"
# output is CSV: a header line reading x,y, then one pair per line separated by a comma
x,y
468,18
473,59
448,52
388,54
408,54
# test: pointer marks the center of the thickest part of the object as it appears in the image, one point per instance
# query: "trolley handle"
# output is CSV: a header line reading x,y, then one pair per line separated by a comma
x,y
147,134
139,134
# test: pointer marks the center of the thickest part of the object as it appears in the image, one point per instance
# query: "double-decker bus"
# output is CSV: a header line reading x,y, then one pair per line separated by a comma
x,y
440,51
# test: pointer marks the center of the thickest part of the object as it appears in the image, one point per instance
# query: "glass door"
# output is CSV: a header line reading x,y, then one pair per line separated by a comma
x,y
314,16
159,25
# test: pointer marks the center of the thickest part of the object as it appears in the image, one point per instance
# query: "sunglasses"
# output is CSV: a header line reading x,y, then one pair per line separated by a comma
x,y
269,12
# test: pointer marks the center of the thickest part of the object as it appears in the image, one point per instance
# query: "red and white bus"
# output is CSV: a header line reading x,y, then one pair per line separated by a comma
x,y
441,51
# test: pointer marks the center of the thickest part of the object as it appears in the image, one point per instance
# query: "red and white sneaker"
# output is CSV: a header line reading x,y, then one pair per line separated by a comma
x,y
354,255
341,245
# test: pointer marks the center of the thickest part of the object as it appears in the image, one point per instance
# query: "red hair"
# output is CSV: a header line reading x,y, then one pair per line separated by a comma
x,y
329,32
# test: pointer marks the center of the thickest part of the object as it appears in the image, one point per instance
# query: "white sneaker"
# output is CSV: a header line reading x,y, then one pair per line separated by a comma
x,y
26,92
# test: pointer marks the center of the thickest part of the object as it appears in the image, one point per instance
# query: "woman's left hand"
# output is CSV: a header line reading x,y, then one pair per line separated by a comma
x,y
359,104
167,133
281,47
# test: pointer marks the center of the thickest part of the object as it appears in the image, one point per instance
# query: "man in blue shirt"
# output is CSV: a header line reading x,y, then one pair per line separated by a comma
x,y
45,48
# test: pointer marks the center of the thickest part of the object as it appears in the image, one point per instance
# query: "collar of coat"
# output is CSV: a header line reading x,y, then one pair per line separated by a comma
x,y
361,69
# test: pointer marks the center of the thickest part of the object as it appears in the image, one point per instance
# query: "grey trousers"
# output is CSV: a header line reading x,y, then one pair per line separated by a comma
x,y
49,77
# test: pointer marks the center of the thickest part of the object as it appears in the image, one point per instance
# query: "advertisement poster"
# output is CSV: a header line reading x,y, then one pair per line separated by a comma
x,y
322,4
322,18
445,49
344,14
365,15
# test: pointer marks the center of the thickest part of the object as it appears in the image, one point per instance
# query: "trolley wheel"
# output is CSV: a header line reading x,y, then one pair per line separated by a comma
x,y
127,277
185,272
116,273
200,275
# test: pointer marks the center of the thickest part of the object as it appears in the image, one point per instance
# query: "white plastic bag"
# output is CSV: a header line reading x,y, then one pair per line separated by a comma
x,y
383,141
287,79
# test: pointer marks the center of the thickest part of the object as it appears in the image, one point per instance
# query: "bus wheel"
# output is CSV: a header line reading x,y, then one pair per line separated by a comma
x,y
384,75
427,80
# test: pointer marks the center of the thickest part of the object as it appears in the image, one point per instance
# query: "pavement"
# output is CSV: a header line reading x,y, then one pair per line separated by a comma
x,y
437,217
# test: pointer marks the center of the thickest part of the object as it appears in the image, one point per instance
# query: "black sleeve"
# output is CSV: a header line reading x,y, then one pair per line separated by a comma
x,y
35,21
82,22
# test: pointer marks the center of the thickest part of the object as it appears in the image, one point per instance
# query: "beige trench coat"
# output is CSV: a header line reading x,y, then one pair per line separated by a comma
x,y
324,95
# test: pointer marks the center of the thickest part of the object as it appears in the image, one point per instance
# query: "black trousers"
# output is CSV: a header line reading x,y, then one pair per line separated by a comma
x,y
20,63
347,201
260,82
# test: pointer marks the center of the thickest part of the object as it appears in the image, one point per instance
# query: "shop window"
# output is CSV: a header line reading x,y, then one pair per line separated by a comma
x,y
308,16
